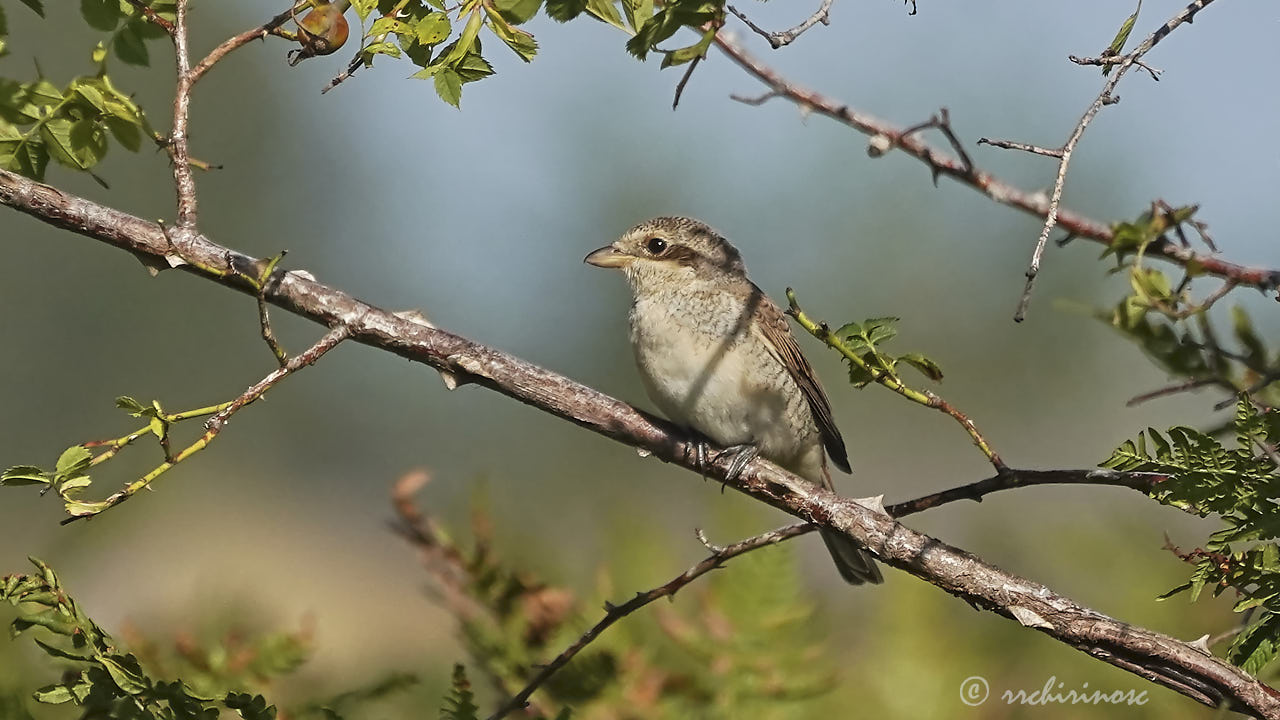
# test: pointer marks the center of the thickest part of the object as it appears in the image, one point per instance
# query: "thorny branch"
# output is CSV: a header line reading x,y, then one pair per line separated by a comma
x,y
183,180
1156,657
1007,480
885,136
888,379
1106,97
213,425
237,41
780,38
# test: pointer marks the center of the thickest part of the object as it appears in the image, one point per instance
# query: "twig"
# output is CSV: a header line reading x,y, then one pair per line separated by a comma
x,y
1034,203
1266,379
1011,145
786,37
941,121
614,613
264,318
184,182
684,80
244,38
358,61
1112,60
1010,479
1179,387
1153,656
927,398
1104,98
150,14
214,425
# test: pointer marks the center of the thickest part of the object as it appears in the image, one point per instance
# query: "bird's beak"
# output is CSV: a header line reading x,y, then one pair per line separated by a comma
x,y
608,257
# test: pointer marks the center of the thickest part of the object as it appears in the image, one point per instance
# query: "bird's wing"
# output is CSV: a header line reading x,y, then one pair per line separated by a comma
x,y
773,326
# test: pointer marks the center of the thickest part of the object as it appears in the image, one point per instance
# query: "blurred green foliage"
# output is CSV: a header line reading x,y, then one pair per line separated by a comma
x,y
749,642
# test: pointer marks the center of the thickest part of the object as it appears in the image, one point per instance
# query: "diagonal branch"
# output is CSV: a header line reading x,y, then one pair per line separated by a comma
x,y
1008,480
1156,657
780,38
1106,97
887,136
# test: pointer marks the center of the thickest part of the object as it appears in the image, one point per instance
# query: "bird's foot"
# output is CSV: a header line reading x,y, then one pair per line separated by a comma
x,y
741,456
700,453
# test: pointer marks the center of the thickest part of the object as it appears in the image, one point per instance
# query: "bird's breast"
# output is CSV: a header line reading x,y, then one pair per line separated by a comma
x,y
704,368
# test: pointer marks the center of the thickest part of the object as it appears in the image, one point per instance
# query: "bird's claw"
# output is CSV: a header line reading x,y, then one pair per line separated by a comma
x,y
741,455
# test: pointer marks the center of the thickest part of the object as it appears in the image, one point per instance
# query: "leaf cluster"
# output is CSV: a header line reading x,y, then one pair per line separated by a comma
x,y
108,682
73,124
70,475
864,340
1239,484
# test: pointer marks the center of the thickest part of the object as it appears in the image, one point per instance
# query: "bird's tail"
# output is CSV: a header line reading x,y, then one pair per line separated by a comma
x,y
853,561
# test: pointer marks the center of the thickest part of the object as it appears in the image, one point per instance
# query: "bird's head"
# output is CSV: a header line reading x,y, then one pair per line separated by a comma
x,y
671,249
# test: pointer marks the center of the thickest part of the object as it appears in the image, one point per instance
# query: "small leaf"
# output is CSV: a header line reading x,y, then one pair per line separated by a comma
x,y
517,12
101,15
53,694
565,10
926,366
24,475
433,29
449,86
1122,36
127,678
73,460
129,46
36,6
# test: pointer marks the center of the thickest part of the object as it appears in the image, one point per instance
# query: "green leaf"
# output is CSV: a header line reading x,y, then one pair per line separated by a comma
x,y
1122,36
449,86
521,42
53,694
24,475
124,672
517,12
36,6
433,29
1254,648
73,460
130,47
638,12
473,68
926,366
129,405
606,11
690,53
565,10
364,7
101,15
127,134
71,487
459,704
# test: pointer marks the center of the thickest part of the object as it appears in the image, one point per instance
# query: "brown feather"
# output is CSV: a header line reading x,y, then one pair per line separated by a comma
x,y
773,326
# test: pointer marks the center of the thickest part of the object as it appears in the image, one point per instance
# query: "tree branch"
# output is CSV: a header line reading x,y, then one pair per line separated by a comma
x,y
1142,482
885,136
786,37
1105,97
1159,658
238,41
183,180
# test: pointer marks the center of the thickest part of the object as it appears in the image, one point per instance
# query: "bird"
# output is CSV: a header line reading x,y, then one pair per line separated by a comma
x,y
716,356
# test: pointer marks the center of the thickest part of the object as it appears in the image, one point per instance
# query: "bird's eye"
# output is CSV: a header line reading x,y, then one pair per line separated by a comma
x,y
655,246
